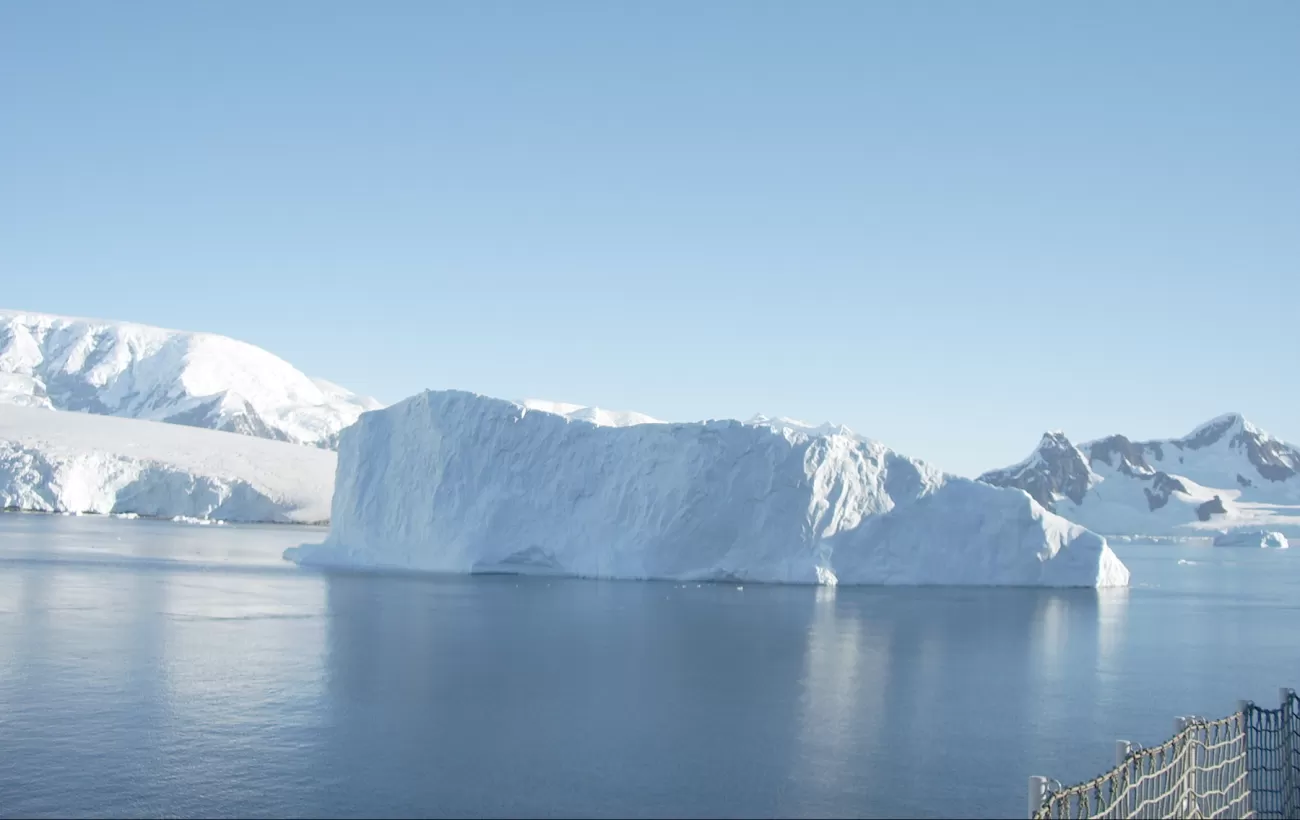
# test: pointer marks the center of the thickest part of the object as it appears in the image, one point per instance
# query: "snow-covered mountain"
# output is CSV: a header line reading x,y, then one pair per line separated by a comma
x,y
1225,475
452,481
194,379
56,461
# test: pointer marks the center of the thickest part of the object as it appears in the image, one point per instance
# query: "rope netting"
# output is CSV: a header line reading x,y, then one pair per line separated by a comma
x,y
1246,765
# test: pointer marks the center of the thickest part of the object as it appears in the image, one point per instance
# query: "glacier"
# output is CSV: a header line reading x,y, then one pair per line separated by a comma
x,y
194,379
449,481
62,461
1227,475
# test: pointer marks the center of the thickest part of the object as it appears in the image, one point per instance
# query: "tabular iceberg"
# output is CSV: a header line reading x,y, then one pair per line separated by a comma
x,y
1264,540
455,482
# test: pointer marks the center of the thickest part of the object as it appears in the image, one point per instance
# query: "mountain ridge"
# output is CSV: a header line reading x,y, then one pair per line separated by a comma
x,y
1225,474
196,379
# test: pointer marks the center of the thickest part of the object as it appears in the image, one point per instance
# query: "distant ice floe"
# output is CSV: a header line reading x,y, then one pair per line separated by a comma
x,y
1255,538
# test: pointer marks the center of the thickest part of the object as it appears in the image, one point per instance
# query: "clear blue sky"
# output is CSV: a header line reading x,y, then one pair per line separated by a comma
x,y
948,225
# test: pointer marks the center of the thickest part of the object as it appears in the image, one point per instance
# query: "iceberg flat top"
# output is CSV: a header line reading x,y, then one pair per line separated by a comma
x,y
594,415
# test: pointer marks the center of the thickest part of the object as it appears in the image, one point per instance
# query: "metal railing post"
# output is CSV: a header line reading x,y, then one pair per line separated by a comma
x,y
1123,750
1286,755
1243,723
1183,771
1037,794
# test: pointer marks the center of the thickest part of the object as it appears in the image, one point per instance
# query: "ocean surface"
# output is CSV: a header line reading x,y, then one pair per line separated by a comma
x,y
162,669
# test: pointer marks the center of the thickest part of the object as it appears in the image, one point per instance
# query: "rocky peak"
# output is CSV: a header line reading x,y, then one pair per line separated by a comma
x,y
1274,460
1214,431
1056,469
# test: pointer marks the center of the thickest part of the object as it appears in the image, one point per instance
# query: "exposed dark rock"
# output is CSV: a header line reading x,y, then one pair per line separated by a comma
x,y
1274,460
1243,481
1209,433
1124,455
1162,486
1212,507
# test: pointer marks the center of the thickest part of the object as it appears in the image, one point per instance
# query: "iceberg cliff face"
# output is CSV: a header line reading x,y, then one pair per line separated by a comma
x,y
455,482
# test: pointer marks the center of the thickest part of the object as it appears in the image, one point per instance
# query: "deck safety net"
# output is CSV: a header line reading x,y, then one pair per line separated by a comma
x,y
1246,765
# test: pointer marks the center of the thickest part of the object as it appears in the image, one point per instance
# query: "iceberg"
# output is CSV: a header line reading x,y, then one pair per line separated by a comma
x,y
449,481
1258,539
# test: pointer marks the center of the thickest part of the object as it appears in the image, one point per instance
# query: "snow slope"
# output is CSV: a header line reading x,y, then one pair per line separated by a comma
x,y
195,379
23,391
58,461
595,415
456,482
1225,475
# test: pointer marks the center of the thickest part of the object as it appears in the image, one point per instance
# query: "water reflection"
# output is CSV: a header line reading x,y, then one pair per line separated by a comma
x,y
152,689
81,666
563,697
132,690
1050,635
892,675
1112,633
1112,624
845,666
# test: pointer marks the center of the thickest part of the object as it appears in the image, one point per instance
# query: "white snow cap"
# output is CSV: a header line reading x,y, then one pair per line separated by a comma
x,y
595,415
457,482
196,379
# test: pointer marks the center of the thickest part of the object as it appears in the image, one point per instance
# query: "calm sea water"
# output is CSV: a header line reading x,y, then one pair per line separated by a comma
x,y
166,669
